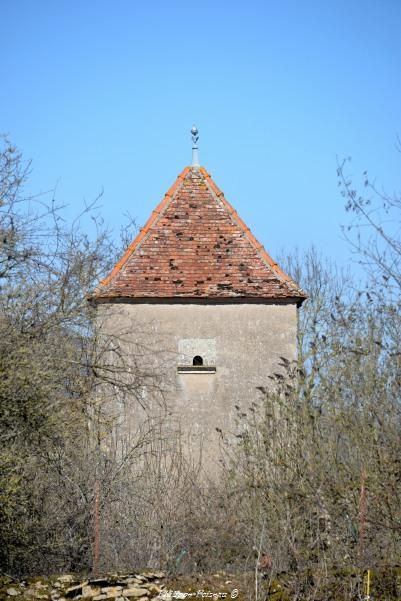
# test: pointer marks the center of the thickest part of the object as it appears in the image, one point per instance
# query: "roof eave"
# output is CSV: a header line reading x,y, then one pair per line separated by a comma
x,y
221,300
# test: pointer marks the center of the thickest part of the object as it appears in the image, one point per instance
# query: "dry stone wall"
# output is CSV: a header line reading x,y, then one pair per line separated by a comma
x,y
142,586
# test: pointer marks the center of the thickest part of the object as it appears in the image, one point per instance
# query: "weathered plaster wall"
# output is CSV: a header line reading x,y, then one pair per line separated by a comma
x,y
243,341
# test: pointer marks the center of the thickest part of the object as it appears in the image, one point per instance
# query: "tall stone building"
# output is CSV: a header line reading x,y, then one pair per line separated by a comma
x,y
210,308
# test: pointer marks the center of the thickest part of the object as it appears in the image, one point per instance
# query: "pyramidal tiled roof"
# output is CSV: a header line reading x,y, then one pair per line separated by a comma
x,y
194,246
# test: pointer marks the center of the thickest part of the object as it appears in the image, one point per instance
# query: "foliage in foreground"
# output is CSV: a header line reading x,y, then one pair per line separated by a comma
x,y
52,415
312,481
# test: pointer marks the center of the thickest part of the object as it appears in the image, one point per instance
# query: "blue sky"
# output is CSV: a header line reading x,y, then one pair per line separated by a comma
x,y
102,95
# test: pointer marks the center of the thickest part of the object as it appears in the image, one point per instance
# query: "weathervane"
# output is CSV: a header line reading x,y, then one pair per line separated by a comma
x,y
195,138
194,132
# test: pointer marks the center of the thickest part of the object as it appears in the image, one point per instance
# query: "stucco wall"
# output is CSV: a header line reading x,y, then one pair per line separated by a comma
x,y
243,341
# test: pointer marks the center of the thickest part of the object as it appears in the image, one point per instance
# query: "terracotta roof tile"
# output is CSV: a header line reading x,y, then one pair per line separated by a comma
x,y
195,245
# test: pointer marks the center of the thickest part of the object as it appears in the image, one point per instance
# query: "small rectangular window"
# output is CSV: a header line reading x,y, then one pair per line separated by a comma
x,y
196,355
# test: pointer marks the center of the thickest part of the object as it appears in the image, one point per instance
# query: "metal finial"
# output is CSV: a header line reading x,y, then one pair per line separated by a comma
x,y
194,132
195,138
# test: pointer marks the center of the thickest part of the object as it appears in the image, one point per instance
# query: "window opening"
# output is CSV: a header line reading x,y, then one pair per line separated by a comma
x,y
197,360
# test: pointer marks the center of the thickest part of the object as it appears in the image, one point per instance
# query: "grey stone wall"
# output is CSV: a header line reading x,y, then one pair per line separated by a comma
x,y
243,342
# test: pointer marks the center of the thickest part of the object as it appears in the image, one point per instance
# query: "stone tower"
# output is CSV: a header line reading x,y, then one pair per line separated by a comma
x,y
211,309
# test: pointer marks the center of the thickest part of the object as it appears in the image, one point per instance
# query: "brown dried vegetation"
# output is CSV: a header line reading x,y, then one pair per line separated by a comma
x,y
312,481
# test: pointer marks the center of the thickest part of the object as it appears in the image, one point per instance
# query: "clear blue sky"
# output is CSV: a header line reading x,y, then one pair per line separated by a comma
x,y
102,94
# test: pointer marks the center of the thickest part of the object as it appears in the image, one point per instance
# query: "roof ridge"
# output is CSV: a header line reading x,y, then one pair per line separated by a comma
x,y
156,213
264,255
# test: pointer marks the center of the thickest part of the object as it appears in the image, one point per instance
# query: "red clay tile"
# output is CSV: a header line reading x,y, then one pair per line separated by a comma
x,y
196,246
